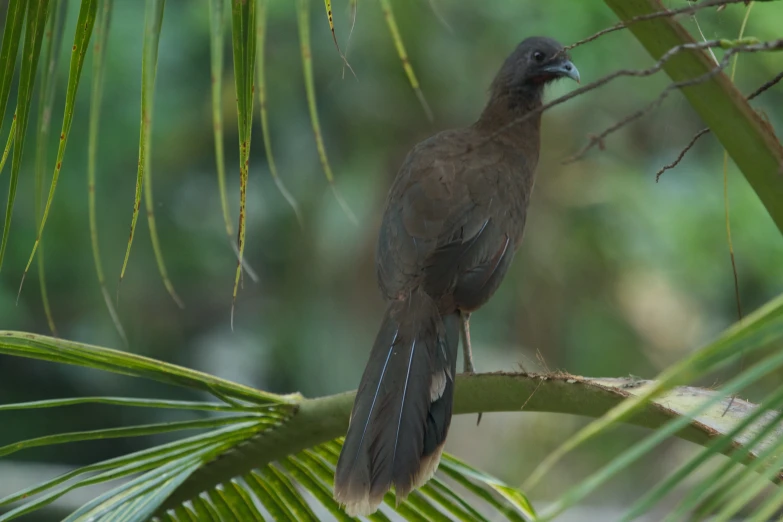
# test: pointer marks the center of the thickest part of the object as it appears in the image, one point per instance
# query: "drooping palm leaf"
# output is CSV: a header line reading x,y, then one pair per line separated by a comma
x,y
37,14
22,344
391,23
52,45
96,97
303,22
153,21
149,72
9,142
262,104
243,38
12,34
217,20
81,42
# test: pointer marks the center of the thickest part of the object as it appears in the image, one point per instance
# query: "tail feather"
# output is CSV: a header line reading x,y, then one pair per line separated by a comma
x,y
402,410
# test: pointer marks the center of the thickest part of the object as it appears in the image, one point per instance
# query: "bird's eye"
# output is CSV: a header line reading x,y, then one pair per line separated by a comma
x,y
538,56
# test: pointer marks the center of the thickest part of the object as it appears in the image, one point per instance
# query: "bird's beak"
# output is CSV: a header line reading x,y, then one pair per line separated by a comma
x,y
564,68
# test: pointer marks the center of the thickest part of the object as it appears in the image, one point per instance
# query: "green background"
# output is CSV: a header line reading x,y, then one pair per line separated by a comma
x,y
617,275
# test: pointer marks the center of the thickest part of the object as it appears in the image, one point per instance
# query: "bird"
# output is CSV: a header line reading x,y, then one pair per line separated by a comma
x,y
454,217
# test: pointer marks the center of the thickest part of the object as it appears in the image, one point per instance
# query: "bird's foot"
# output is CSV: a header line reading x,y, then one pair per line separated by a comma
x,y
467,352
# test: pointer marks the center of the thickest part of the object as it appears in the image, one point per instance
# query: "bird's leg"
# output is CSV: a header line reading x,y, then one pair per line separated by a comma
x,y
467,353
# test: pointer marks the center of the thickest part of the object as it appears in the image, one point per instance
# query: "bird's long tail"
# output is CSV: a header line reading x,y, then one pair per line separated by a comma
x,y
402,410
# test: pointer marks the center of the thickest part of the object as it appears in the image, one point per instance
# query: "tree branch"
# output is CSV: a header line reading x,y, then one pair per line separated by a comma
x,y
682,153
691,9
747,138
323,419
752,48
706,130
733,46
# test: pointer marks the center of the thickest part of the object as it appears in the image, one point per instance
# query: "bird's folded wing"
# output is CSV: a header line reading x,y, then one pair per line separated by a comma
x,y
439,223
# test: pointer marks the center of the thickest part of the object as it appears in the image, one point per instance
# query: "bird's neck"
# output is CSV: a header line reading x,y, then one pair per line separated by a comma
x,y
513,117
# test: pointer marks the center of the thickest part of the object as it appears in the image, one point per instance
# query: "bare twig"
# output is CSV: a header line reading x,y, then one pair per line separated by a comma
x,y
651,16
682,153
750,48
636,73
706,130
766,85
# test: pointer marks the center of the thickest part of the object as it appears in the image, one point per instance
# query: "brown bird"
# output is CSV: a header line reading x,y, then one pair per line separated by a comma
x,y
454,217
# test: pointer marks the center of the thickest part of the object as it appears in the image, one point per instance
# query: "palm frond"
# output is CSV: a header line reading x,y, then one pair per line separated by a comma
x,y
262,104
53,44
294,484
259,455
37,13
284,489
756,332
217,19
9,142
12,34
243,37
261,449
40,347
749,435
752,438
154,21
394,31
303,22
96,97
81,42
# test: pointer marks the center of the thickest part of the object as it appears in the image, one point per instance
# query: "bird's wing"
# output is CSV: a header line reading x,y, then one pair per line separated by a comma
x,y
440,224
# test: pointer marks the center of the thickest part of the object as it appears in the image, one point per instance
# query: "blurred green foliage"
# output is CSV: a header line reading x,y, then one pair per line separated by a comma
x,y
618,274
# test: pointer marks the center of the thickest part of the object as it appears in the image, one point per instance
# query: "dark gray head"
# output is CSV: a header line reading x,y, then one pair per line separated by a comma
x,y
534,63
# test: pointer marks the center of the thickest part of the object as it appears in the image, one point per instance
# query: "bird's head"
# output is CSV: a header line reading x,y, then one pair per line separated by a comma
x,y
534,63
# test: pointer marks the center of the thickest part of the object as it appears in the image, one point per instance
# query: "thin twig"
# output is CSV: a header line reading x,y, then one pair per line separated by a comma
x,y
759,47
636,73
766,85
706,130
651,16
682,153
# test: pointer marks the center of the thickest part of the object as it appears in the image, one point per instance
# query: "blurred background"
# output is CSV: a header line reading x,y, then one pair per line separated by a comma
x,y
618,275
